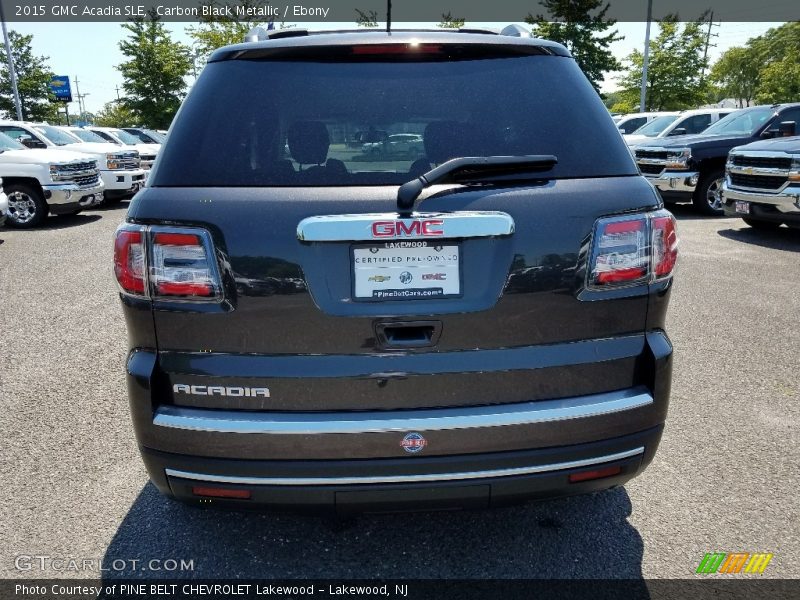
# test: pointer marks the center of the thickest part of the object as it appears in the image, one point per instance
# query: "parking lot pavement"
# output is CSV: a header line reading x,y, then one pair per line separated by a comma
x,y
725,478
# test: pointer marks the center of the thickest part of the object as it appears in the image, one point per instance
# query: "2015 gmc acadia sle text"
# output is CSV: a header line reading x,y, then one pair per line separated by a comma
x,y
319,318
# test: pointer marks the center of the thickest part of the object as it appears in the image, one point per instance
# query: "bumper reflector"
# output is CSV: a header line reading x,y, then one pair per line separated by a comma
x,y
594,474
212,492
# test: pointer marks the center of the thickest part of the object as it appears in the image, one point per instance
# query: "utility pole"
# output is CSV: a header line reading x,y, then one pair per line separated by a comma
x,y
78,94
82,104
708,42
11,70
116,87
388,16
646,60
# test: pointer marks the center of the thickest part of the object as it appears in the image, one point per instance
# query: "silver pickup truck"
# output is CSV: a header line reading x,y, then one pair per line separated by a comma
x,y
762,183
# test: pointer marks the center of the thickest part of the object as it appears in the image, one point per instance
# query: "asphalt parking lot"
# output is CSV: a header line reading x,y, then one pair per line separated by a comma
x,y
725,478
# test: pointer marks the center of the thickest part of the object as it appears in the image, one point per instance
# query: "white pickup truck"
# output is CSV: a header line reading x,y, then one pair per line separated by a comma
x,y
120,169
42,182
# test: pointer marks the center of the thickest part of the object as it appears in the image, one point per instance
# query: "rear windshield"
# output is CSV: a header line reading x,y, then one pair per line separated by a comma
x,y
306,123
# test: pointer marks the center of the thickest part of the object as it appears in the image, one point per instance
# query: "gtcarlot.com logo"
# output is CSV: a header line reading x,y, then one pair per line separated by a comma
x,y
41,562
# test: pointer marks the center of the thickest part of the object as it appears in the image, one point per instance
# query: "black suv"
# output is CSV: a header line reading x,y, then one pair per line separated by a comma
x,y
691,168
475,326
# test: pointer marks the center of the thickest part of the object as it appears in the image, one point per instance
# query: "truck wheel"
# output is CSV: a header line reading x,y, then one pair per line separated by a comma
x,y
762,225
26,206
708,195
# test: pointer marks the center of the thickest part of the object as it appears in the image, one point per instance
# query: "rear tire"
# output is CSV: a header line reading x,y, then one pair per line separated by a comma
x,y
26,206
708,196
762,225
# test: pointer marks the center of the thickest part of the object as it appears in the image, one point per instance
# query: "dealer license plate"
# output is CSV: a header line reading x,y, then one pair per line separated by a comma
x,y
412,270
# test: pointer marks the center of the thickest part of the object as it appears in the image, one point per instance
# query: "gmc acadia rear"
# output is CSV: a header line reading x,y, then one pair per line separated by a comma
x,y
313,326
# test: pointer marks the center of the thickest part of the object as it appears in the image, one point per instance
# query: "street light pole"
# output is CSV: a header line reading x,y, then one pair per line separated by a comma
x,y
643,94
11,71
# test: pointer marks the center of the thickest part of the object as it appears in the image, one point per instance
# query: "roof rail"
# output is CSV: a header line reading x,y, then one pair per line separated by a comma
x,y
259,34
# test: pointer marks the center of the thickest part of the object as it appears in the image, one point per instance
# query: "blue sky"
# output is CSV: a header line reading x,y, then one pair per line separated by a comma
x,y
89,51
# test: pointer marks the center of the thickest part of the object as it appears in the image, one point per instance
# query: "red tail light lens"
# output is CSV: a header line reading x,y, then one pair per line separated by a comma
x,y
129,259
633,250
665,245
620,251
166,263
182,266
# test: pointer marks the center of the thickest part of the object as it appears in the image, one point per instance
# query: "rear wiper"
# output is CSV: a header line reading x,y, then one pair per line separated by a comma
x,y
470,168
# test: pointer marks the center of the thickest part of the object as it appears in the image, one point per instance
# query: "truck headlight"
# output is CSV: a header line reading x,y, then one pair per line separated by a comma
x,y
114,161
56,173
794,171
679,159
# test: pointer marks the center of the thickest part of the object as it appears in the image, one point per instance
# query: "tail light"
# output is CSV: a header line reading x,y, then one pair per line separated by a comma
x,y
633,250
166,262
129,259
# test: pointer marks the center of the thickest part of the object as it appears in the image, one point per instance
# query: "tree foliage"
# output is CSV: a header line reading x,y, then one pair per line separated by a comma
x,y
675,72
33,80
367,18
215,32
779,53
115,114
580,25
738,74
448,22
765,70
153,74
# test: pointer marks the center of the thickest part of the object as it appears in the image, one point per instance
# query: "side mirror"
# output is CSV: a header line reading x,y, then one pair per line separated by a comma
x,y
30,142
678,131
787,129
621,130
770,133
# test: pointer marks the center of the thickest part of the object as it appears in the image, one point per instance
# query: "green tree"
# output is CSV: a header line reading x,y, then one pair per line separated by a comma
x,y
33,80
448,22
738,74
580,25
115,114
153,72
366,18
674,75
214,32
779,54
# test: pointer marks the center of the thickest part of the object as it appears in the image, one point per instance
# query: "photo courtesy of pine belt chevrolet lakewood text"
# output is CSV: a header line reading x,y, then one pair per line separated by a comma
x,y
369,288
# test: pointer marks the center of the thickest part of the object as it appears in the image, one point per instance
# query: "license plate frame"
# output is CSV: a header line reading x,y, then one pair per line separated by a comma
x,y
451,267
742,207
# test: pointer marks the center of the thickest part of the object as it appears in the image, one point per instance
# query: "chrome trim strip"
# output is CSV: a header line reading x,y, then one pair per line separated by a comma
x,y
475,417
768,171
358,227
573,464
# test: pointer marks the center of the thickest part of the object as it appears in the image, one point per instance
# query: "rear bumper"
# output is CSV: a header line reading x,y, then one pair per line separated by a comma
x,y
497,452
453,482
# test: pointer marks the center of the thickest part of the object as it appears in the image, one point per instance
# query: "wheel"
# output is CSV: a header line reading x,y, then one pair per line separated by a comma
x,y
763,225
708,195
26,206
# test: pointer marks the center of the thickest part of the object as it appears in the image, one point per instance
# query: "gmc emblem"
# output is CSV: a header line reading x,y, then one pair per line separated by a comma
x,y
417,228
